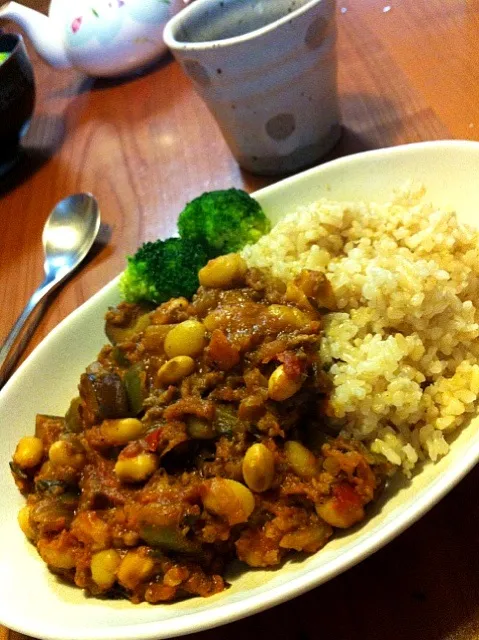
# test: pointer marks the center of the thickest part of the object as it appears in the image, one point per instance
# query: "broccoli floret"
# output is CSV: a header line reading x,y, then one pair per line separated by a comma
x,y
225,221
162,270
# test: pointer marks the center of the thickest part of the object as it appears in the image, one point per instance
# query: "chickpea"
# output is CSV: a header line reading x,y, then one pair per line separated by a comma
x,y
258,468
175,370
135,568
29,452
136,469
185,339
229,499
301,459
24,522
122,430
103,567
223,272
65,454
280,386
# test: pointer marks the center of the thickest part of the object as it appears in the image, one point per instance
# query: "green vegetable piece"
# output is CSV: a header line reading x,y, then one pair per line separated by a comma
x,y
225,221
3,56
119,357
117,334
162,270
134,381
227,422
73,422
168,539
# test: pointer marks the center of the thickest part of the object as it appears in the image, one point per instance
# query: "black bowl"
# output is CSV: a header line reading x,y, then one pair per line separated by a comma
x,y
17,97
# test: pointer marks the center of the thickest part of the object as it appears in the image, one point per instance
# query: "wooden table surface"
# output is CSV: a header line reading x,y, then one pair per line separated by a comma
x,y
409,71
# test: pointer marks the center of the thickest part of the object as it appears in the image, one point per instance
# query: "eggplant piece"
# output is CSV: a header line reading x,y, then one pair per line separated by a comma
x,y
52,514
104,395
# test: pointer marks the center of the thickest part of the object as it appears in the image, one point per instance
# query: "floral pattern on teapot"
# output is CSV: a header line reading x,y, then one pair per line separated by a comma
x,y
104,20
98,37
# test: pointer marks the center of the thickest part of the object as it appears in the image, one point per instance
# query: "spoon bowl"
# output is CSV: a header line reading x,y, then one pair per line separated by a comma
x,y
69,232
68,235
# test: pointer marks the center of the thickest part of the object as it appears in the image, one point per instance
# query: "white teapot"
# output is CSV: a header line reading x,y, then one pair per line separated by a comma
x,y
97,37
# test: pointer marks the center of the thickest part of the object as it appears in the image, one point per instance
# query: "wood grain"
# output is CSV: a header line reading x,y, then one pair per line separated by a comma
x,y
409,71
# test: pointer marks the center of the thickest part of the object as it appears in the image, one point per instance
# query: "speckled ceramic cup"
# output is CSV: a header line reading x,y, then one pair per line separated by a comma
x,y
267,71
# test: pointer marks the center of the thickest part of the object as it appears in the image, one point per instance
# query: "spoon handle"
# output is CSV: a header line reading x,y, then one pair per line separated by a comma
x,y
46,286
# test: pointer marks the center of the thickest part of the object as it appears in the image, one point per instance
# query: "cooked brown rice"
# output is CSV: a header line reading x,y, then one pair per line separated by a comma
x,y
402,348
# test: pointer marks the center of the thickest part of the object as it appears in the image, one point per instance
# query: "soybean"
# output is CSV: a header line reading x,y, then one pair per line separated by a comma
x,y
223,272
136,469
281,386
229,499
258,468
64,453
24,522
174,370
300,459
104,565
134,569
122,430
29,452
185,339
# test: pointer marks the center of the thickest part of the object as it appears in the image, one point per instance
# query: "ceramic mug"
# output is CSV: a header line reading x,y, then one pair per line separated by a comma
x,y
267,71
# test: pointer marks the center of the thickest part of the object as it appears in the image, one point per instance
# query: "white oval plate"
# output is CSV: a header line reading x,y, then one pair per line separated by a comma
x,y
34,602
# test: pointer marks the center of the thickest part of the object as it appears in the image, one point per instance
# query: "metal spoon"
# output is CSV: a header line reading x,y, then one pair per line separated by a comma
x,y
68,235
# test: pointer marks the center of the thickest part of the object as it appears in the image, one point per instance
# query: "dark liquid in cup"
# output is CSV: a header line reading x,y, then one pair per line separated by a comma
x,y
231,18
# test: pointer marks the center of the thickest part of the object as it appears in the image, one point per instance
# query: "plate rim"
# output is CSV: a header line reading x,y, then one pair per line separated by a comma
x,y
225,613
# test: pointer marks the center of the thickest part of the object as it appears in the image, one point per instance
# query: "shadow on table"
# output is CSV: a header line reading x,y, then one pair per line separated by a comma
x,y
43,139
89,84
368,122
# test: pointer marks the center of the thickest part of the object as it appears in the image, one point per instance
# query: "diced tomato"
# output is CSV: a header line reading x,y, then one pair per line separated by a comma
x,y
293,366
153,439
346,497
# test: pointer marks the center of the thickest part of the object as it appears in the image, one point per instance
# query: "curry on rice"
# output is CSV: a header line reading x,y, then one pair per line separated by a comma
x,y
199,436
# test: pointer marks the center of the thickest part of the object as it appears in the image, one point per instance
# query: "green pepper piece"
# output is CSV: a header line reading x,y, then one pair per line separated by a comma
x,y
73,422
117,334
134,381
119,357
168,539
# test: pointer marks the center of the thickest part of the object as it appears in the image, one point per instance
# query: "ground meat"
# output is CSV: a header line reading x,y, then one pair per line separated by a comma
x,y
153,484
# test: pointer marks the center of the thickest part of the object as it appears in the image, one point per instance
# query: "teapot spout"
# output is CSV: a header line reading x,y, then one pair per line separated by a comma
x,y
43,33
